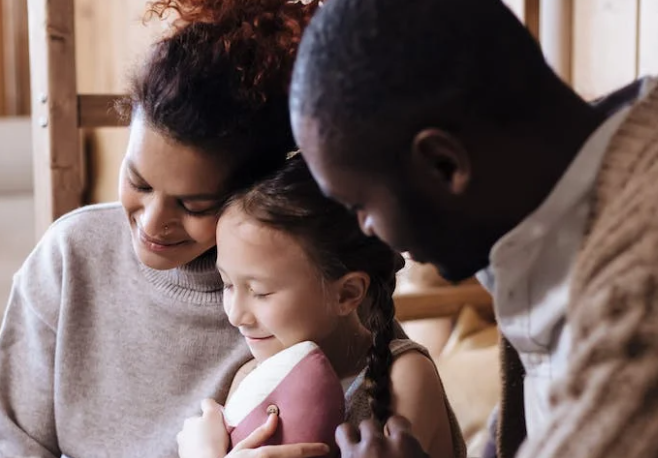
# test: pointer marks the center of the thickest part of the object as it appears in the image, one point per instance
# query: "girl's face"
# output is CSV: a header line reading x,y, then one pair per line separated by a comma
x,y
272,291
171,194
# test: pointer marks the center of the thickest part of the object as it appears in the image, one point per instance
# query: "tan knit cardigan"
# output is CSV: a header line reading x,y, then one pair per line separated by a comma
x,y
608,404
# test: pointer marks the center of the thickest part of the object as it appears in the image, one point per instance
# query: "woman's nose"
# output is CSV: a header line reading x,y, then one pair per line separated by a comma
x,y
157,219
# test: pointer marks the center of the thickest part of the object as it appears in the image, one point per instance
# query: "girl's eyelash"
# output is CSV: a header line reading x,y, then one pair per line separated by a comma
x,y
259,296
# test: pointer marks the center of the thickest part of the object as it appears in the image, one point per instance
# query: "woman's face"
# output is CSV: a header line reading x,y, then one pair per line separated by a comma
x,y
171,194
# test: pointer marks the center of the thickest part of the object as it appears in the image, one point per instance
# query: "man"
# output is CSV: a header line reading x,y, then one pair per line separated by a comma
x,y
440,124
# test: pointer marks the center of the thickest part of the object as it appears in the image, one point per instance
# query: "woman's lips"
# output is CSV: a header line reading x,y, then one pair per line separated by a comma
x,y
157,245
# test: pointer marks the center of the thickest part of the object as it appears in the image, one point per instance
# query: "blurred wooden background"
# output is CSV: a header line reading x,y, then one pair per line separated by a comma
x,y
595,45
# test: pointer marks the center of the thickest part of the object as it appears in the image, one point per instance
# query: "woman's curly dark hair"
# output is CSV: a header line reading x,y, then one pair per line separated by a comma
x,y
219,82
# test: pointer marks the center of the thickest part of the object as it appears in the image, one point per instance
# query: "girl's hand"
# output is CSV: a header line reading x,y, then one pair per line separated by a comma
x,y
204,436
250,447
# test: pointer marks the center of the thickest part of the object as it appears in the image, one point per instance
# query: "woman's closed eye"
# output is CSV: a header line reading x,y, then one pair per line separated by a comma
x,y
197,212
140,187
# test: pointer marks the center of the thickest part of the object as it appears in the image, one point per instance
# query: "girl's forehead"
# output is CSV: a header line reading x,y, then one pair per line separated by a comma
x,y
244,243
240,228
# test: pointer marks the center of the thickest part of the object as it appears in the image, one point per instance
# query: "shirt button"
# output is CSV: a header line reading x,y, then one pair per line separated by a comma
x,y
272,409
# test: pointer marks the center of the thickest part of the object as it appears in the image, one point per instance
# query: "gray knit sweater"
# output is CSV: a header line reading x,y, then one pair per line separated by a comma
x,y
101,356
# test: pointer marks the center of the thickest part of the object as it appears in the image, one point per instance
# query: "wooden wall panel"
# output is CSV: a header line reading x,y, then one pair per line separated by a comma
x,y
59,177
531,19
648,38
556,35
598,45
605,45
112,37
14,59
517,6
3,66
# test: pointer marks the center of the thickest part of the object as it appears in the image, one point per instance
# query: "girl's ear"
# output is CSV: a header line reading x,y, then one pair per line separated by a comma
x,y
352,290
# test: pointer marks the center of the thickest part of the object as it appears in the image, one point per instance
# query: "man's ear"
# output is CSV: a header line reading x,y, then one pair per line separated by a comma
x,y
352,290
444,156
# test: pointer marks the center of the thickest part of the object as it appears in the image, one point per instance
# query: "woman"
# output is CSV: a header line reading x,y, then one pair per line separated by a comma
x,y
114,327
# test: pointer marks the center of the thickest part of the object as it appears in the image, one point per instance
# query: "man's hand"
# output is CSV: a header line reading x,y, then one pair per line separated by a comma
x,y
252,445
395,441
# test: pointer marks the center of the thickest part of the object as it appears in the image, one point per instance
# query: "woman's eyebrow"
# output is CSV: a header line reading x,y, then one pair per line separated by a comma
x,y
134,171
187,197
203,196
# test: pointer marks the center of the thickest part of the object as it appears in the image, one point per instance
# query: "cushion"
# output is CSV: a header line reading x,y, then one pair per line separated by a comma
x,y
301,384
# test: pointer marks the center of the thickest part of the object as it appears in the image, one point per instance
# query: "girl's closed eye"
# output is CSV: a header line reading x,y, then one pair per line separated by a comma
x,y
227,286
259,294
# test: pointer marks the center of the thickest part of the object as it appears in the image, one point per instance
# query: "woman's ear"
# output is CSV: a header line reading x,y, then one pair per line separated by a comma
x,y
352,290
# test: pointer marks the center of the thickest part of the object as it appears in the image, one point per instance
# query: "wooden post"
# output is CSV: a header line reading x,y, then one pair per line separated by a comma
x,y
648,38
441,301
58,160
16,59
3,64
605,35
555,35
517,7
531,16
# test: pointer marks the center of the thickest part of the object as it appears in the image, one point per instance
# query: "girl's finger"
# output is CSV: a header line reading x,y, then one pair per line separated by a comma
x,y
210,407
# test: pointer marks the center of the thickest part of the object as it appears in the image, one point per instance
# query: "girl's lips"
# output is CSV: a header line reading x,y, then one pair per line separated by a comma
x,y
257,339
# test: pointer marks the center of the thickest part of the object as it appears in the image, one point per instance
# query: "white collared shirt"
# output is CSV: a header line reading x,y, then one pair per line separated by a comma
x,y
530,272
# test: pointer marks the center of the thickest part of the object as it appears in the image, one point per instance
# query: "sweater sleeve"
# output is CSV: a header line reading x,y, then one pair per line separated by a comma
x,y
27,356
608,404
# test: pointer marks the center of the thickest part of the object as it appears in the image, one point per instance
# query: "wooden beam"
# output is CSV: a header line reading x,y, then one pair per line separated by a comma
x,y
16,59
517,7
3,64
99,111
441,301
648,38
604,45
531,16
556,35
58,160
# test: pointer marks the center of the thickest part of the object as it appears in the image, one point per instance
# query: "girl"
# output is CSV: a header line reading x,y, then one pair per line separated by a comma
x,y
296,267
115,325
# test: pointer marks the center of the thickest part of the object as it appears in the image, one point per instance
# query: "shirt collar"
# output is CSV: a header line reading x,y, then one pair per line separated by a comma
x,y
575,185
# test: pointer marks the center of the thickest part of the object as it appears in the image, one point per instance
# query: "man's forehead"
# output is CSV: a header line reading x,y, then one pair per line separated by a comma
x,y
323,174
333,161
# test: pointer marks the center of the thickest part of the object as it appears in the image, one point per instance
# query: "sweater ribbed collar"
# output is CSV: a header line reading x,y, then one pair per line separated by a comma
x,y
197,282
